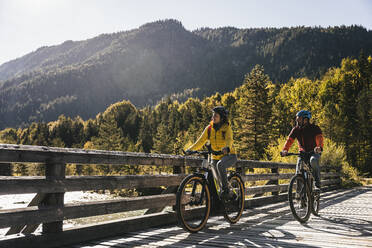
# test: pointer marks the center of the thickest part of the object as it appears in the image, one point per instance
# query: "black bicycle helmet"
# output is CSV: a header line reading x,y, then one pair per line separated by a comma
x,y
224,113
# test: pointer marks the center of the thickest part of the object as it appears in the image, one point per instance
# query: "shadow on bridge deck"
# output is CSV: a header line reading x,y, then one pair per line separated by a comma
x,y
345,221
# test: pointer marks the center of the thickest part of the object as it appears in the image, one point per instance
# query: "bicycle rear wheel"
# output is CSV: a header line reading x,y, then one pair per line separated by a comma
x,y
193,203
299,198
234,206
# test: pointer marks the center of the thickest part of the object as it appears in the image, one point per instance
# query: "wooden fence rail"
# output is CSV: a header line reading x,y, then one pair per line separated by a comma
x,y
48,207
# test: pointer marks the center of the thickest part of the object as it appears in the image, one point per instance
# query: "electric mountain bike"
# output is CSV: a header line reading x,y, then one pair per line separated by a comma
x,y
303,199
193,199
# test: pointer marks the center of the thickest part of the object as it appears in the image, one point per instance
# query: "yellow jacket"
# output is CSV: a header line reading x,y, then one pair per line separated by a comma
x,y
216,139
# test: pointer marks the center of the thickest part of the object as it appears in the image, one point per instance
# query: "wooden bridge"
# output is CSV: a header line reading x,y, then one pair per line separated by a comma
x,y
345,220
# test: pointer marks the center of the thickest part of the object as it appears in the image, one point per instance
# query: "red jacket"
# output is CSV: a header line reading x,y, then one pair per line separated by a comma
x,y
308,137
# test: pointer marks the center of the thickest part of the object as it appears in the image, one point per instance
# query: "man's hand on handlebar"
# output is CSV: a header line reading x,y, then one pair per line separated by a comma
x,y
318,149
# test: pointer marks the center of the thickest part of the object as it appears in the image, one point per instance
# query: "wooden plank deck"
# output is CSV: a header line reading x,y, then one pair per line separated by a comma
x,y
345,221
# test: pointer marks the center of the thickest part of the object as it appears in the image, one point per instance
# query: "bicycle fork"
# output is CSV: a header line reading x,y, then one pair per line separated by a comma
x,y
309,181
201,198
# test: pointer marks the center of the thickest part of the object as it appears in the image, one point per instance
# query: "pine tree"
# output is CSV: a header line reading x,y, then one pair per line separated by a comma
x,y
252,130
163,141
38,134
110,136
9,136
63,129
90,130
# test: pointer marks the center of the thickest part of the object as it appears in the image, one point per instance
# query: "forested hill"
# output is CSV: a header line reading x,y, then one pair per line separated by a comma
x,y
161,58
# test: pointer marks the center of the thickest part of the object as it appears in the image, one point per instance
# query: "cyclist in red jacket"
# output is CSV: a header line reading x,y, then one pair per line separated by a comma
x,y
309,137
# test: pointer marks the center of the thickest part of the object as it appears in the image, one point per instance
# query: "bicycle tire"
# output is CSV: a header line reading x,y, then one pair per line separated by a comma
x,y
193,203
315,203
234,207
299,199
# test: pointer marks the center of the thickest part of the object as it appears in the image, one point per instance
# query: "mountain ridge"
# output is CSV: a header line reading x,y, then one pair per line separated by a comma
x,y
161,58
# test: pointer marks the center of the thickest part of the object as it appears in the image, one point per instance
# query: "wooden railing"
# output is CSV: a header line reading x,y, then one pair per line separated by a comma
x,y
48,207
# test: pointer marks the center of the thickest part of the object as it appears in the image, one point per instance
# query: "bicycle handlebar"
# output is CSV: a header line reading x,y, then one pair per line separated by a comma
x,y
301,153
290,154
203,153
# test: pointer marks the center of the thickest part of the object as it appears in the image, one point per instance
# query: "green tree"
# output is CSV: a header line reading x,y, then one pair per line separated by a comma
x,y
62,129
37,134
9,136
345,96
110,136
90,130
254,115
163,141
147,130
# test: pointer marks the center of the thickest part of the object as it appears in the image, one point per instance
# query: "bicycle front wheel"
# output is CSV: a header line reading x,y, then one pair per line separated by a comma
x,y
315,205
193,203
299,199
234,206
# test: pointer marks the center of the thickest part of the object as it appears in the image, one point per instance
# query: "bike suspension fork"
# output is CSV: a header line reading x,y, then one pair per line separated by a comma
x,y
203,189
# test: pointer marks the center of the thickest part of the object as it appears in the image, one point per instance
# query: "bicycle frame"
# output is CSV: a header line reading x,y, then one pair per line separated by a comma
x,y
306,171
208,167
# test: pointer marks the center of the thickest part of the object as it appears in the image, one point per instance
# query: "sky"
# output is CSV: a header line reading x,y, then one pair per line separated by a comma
x,y
26,25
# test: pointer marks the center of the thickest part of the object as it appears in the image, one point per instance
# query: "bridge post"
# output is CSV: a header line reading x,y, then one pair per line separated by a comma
x,y
53,172
5,169
178,169
276,181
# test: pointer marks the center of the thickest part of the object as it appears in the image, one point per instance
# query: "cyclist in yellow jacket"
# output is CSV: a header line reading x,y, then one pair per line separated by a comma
x,y
220,136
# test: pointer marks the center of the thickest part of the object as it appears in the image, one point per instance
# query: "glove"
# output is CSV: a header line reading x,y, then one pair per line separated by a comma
x,y
318,149
225,150
188,152
283,153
